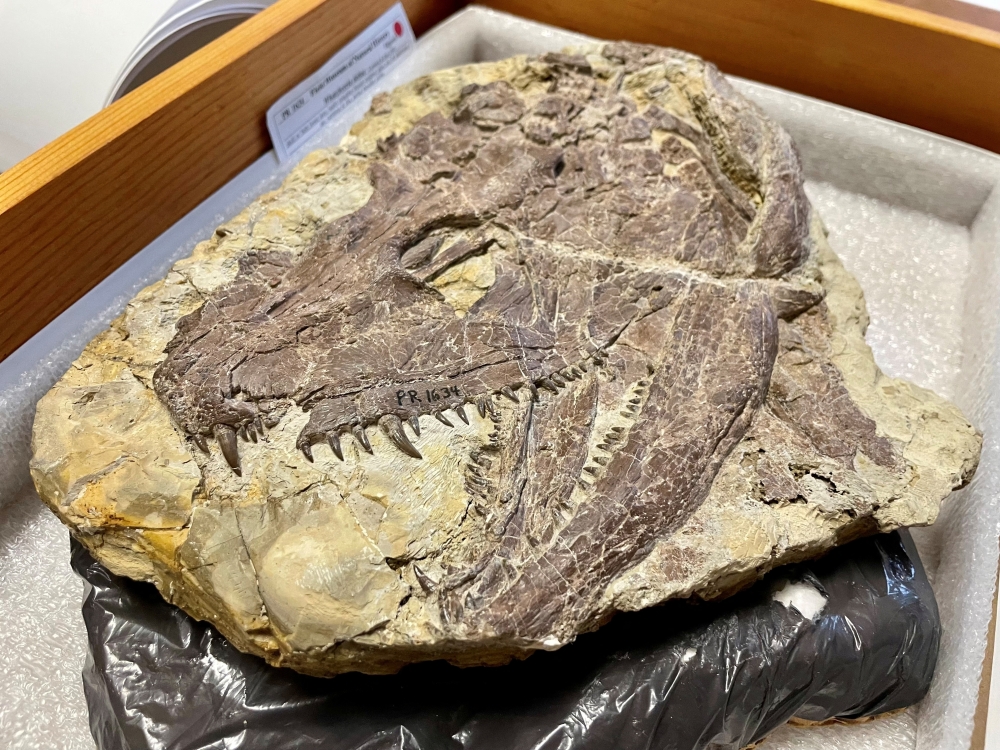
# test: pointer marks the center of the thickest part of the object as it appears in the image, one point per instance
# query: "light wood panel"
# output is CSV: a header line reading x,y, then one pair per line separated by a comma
x,y
78,208
978,741
898,62
977,15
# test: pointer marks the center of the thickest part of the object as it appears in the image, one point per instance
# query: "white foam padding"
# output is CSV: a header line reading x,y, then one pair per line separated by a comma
x,y
44,641
803,597
914,216
894,732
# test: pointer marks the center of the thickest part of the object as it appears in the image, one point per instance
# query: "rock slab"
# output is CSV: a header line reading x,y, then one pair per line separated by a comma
x,y
543,340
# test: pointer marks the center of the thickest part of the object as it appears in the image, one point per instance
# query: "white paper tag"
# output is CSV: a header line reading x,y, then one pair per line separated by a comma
x,y
356,67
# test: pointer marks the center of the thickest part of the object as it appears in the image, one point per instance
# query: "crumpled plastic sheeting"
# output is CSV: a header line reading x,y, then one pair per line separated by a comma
x,y
681,676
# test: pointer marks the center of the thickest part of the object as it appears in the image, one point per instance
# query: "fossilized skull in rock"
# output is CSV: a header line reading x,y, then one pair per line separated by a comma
x,y
571,342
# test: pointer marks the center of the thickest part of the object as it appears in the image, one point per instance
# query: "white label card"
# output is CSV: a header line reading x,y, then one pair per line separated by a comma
x,y
303,111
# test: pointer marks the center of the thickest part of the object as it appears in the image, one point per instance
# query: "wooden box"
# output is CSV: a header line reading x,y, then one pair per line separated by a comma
x,y
77,209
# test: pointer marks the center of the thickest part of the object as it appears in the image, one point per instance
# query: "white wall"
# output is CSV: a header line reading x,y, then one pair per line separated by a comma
x,y
58,59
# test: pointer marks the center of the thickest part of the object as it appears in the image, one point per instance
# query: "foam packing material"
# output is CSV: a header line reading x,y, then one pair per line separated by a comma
x,y
914,216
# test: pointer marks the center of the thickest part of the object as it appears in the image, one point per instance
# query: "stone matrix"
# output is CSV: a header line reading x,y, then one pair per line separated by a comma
x,y
542,340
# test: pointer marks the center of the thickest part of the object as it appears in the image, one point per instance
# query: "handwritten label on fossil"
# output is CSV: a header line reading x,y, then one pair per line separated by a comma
x,y
427,395
343,79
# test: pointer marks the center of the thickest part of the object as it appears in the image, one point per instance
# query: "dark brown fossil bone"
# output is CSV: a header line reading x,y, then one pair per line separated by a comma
x,y
623,242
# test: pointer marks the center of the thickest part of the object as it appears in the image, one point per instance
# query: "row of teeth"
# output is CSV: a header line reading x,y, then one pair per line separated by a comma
x,y
391,425
615,435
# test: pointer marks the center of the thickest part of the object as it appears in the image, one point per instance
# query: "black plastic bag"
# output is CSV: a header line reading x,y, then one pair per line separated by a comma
x,y
682,676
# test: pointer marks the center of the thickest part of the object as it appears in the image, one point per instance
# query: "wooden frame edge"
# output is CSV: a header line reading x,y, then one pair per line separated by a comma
x,y
977,15
923,18
979,722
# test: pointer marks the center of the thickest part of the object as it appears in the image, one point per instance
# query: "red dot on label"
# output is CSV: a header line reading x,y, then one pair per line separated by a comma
x,y
398,28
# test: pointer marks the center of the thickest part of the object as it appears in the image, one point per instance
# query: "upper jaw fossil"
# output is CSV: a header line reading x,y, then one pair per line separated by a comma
x,y
576,346
593,216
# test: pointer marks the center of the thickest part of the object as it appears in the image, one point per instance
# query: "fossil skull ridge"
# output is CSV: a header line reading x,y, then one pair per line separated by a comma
x,y
640,263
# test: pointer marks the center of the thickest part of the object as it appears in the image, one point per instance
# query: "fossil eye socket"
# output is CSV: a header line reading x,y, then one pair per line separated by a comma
x,y
458,264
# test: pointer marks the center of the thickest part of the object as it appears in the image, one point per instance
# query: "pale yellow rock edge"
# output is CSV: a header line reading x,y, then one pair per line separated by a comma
x,y
110,463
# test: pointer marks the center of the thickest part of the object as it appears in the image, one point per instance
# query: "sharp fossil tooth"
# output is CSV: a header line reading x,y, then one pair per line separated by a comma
x,y
443,419
393,427
635,401
509,393
534,391
226,436
460,410
576,372
252,432
415,424
242,432
307,451
334,440
643,383
604,447
481,406
491,408
359,434
567,374
557,379
601,460
590,469
200,441
548,385
425,581
617,429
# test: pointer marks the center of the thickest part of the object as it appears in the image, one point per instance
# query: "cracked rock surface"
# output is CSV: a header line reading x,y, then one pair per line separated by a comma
x,y
543,340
